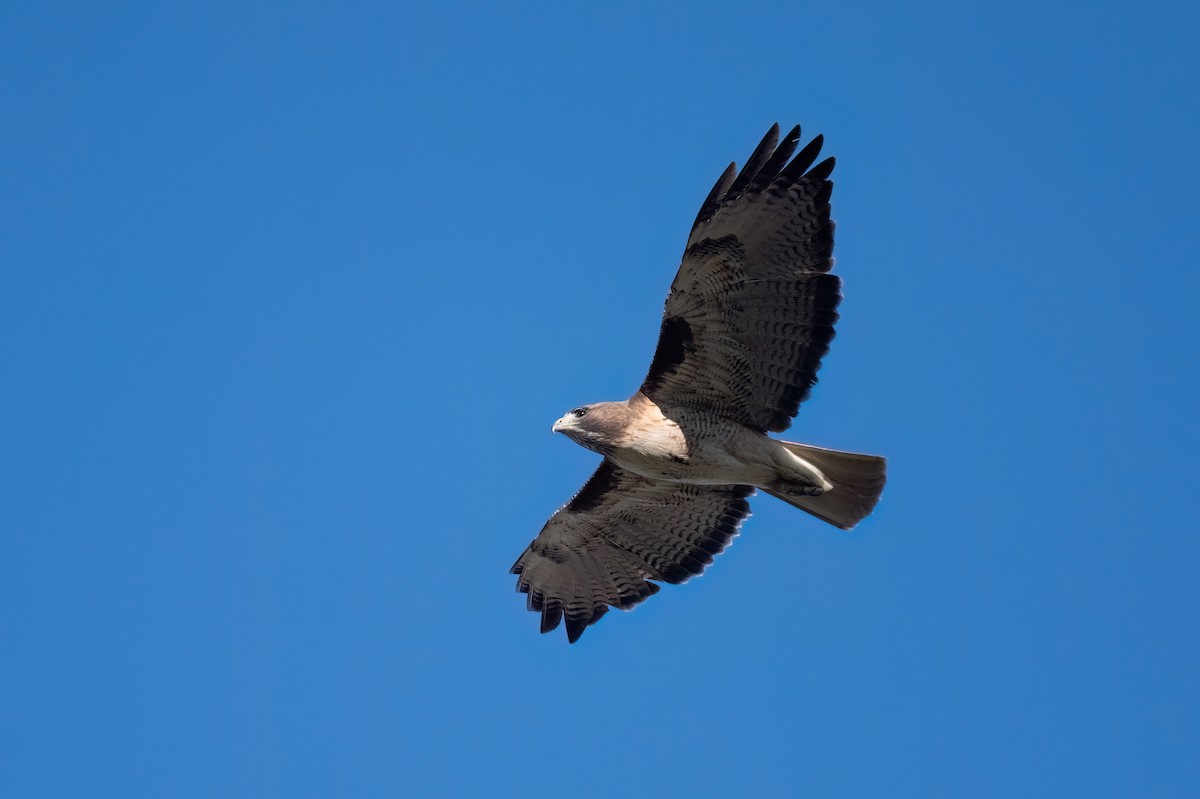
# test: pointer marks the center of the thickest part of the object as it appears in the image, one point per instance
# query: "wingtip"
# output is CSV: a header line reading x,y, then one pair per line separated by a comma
x,y
551,616
575,628
823,170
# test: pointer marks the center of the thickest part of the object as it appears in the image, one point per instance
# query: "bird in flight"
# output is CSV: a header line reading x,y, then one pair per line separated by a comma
x,y
747,321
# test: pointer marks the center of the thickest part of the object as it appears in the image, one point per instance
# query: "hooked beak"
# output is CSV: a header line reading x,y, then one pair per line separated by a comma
x,y
562,424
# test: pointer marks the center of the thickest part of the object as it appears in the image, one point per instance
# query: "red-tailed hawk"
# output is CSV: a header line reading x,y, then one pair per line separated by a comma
x,y
747,321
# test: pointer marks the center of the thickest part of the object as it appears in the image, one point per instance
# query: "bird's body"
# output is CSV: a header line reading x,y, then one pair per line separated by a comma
x,y
678,445
747,321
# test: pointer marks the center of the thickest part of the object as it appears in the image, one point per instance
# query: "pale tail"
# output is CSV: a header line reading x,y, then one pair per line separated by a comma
x,y
857,483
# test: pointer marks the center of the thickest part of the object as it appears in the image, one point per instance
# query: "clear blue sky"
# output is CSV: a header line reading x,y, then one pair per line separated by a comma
x,y
290,294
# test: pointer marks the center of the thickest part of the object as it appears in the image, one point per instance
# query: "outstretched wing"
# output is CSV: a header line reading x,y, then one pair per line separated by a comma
x,y
620,531
752,310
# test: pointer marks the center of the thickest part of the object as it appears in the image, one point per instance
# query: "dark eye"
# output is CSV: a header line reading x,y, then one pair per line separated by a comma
x,y
579,413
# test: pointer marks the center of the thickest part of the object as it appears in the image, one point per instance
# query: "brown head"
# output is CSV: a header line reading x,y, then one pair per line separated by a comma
x,y
599,426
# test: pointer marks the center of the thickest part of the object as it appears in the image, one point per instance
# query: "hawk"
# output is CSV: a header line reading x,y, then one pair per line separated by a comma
x,y
747,321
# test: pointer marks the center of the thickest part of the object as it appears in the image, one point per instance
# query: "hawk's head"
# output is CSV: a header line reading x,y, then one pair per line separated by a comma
x,y
598,426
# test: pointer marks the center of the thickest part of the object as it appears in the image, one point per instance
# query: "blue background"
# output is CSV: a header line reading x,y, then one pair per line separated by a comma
x,y
290,294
